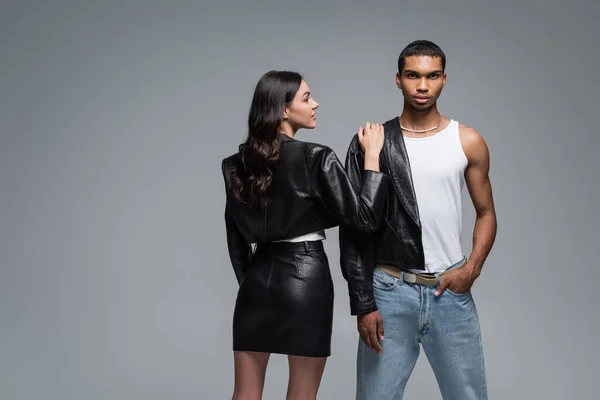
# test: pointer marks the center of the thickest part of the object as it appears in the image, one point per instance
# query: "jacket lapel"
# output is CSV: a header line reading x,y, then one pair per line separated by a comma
x,y
399,168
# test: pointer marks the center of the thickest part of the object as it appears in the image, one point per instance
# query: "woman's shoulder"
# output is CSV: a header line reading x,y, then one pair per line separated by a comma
x,y
314,148
229,162
308,149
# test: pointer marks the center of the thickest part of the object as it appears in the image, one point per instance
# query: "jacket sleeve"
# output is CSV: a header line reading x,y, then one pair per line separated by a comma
x,y
360,206
357,249
239,249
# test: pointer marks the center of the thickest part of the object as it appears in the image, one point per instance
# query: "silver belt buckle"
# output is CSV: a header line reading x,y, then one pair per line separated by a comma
x,y
409,277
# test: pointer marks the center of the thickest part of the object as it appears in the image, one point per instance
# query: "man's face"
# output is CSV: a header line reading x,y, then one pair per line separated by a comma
x,y
421,81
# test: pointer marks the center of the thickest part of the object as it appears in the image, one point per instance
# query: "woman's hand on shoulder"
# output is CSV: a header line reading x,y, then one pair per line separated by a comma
x,y
371,138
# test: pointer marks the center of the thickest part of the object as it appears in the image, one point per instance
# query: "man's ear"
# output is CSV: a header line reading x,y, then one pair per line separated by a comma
x,y
286,112
398,80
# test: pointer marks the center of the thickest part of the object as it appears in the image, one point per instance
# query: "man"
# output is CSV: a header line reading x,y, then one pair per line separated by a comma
x,y
411,276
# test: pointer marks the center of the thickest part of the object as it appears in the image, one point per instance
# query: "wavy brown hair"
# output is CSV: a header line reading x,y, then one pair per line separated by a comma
x,y
253,175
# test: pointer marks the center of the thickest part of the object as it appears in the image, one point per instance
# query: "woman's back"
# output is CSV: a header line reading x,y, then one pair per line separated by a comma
x,y
295,207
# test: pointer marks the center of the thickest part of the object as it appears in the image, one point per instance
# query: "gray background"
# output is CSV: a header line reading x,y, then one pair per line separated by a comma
x,y
114,276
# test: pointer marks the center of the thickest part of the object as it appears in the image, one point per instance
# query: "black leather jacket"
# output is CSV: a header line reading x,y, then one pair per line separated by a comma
x,y
398,240
310,191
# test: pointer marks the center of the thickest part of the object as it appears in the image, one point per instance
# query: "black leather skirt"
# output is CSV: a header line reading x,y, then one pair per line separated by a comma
x,y
285,301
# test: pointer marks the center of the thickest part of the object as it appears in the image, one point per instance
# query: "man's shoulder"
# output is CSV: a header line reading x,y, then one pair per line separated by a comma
x,y
390,128
467,131
469,136
473,144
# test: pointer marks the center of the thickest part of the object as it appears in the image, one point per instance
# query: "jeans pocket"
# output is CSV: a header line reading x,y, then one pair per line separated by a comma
x,y
458,294
383,281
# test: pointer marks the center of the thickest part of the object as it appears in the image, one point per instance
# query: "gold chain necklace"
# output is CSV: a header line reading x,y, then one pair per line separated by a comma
x,y
423,130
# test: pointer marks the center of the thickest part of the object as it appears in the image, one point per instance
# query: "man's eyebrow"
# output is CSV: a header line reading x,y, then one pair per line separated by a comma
x,y
410,71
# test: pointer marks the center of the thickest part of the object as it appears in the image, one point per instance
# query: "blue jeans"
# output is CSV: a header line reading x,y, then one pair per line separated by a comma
x,y
448,329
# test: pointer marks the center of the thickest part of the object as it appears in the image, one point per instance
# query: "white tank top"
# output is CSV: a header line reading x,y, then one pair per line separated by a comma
x,y
438,164
318,235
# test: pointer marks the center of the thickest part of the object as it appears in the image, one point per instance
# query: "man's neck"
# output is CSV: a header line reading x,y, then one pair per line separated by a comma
x,y
419,120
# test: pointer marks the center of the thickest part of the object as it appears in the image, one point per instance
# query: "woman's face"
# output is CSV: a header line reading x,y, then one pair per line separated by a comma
x,y
300,113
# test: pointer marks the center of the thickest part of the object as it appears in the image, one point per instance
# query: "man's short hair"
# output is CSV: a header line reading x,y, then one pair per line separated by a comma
x,y
421,48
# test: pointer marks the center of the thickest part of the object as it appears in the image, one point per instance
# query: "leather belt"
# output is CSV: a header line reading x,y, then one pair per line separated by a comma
x,y
295,247
419,279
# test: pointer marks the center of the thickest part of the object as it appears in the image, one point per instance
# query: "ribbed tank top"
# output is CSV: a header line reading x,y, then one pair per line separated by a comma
x,y
438,163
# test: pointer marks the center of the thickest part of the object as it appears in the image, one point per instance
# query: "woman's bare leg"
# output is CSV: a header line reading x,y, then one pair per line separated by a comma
x,y
305,377
250,368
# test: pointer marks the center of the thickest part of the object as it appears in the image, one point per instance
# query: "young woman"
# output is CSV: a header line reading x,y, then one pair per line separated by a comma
x,y
282,194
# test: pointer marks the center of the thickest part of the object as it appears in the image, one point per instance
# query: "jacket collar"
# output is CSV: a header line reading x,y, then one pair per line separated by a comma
x,y
399,168
283,138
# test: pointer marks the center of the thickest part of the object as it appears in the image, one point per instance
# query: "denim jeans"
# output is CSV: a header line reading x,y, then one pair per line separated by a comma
x,y
448,329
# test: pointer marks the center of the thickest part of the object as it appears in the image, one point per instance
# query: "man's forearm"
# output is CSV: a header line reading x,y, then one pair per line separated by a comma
x,y
484,235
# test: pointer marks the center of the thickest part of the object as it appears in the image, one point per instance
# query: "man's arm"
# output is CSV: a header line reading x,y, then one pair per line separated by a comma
x,y
480,190
357,253
357,260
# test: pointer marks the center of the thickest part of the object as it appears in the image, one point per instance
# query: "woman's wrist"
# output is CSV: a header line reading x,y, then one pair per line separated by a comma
x,y
372,162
